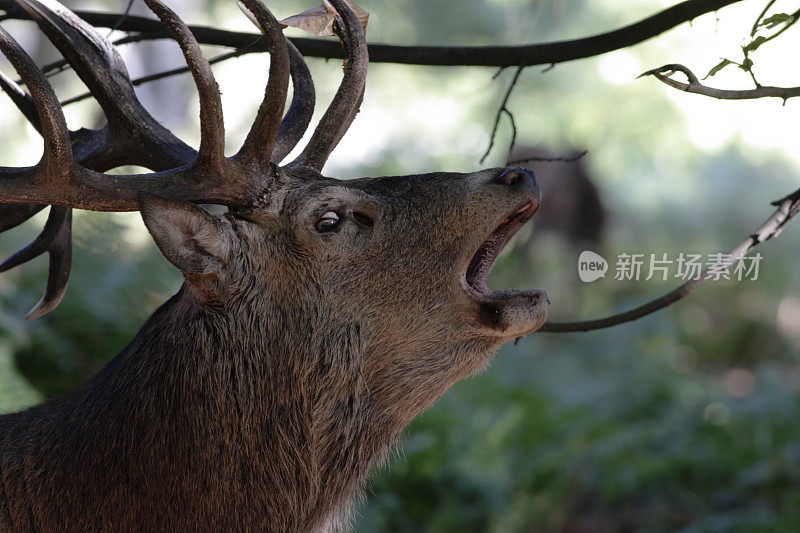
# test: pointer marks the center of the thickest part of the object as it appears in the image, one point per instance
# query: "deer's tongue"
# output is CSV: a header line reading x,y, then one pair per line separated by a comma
x,y
509,313
487,253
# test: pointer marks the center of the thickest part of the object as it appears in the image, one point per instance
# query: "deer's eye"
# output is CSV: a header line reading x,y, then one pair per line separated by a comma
x,y
328,221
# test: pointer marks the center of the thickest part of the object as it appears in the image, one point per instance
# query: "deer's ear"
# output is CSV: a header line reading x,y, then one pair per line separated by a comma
x,y
189,237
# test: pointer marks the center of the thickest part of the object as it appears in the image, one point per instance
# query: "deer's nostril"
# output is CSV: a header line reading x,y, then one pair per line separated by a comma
x,y
515,177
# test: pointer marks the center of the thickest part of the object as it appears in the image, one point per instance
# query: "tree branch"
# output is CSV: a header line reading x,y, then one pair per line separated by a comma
x,y
504,109
788,208
537,159
664,74
492,56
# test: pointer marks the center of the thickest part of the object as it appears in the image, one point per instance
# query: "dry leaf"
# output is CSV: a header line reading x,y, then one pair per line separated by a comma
x,y
319,20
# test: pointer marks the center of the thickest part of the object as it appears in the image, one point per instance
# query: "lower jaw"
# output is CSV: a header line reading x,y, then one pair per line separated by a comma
x,y
512,313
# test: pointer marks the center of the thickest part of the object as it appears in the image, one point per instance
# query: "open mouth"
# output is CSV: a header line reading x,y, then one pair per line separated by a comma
x,y
487,253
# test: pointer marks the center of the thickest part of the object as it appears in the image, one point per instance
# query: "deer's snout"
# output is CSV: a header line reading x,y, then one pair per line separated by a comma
x,y
520,179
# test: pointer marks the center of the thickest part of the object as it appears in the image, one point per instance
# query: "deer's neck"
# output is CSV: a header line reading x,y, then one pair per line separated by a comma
x,y
269,414
204,418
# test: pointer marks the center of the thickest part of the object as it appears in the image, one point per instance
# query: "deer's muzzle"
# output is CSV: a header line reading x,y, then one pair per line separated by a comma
x,y
509,313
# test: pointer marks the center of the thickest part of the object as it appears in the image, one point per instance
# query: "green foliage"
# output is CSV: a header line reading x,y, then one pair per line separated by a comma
x,y
760,34
753,45
773,20
719,66
113,286
648,457
15,391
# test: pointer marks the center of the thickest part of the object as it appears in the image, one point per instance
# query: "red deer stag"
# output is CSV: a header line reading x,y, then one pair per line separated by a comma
x,y
317,318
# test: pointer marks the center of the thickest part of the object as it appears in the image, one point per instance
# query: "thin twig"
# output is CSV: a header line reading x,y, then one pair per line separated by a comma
x,y
664,74
60,65
504,109
760,18
747,63
121,20
548,159
160,75
788,208
56,67
513,123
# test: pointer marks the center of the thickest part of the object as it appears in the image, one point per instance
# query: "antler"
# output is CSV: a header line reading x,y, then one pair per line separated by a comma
x,y
296,121
56,239
100,150
348,98
71,172
265,128
59,179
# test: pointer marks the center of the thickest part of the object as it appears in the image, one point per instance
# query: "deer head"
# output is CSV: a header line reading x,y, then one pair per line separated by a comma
x,y
422,242
369,294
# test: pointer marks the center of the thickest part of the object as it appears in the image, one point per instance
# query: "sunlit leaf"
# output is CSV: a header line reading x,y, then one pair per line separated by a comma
x,y
719,66
774,20
753,45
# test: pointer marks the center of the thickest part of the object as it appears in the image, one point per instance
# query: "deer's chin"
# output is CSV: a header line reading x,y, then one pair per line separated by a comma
x,y
508,313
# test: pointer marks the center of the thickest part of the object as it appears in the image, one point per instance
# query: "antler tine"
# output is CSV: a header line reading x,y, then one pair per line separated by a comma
x,y
212,130
297,119
55,238
57,157
60,251
12,215
41,244
345,104
258,146
101,68
54,165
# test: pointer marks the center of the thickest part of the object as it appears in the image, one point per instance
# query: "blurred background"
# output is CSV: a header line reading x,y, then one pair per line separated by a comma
x,y
687,420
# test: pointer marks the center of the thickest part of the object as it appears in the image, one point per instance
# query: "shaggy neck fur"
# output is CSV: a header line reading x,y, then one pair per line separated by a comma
x,y
194,425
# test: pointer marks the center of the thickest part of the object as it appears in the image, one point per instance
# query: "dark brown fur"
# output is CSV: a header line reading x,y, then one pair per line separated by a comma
x,y
259,396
